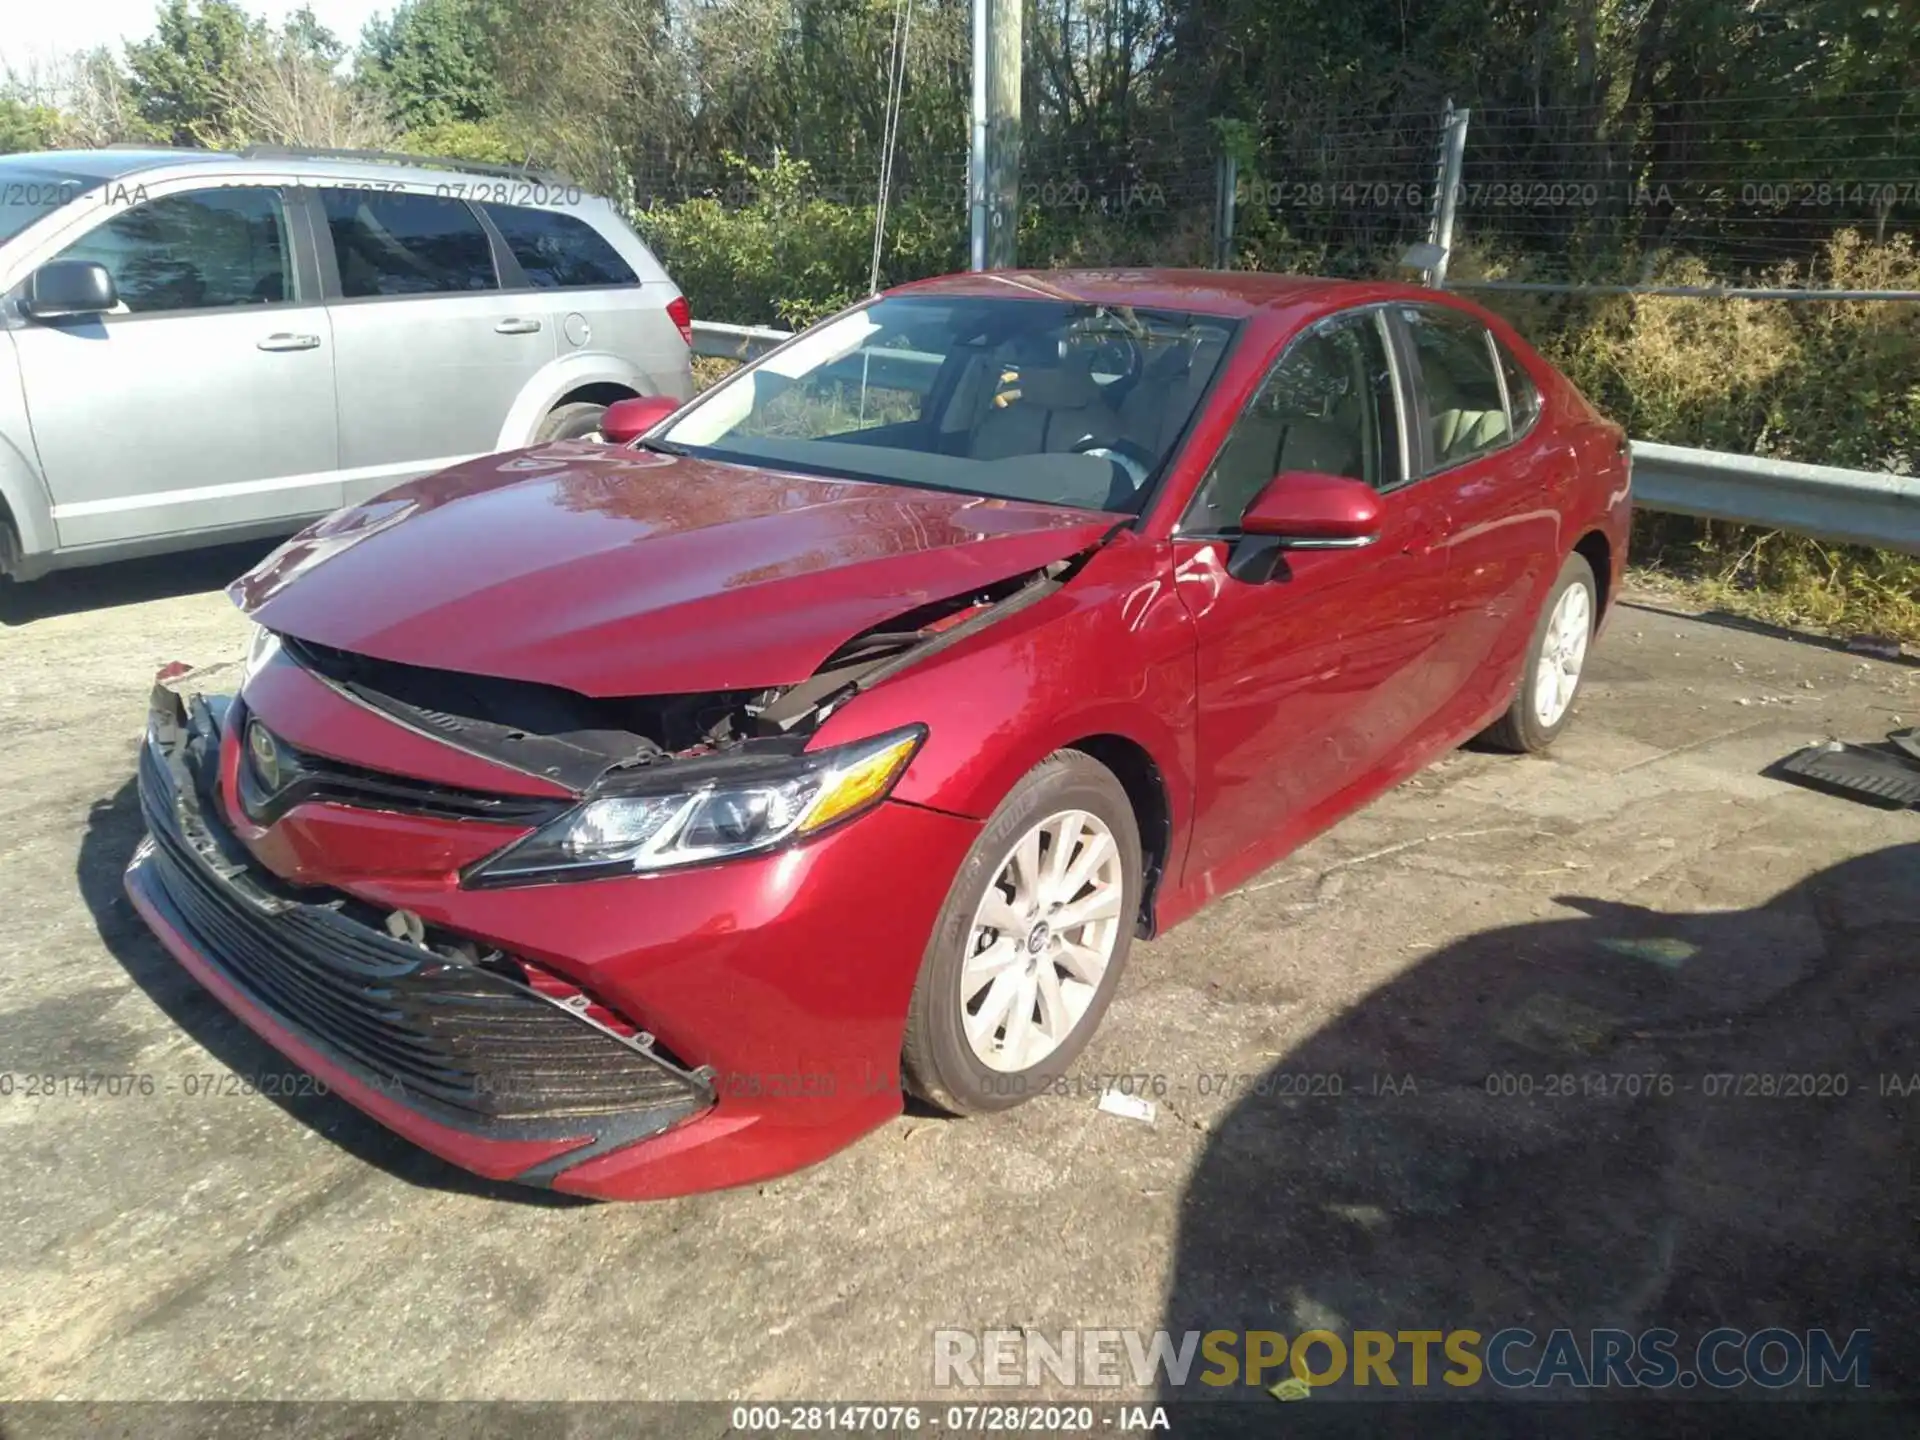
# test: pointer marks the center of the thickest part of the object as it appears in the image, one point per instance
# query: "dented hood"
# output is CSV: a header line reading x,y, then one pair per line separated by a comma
x,y
625,572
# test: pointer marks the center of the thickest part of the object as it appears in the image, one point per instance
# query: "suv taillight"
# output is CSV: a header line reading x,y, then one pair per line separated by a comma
x,y
681,314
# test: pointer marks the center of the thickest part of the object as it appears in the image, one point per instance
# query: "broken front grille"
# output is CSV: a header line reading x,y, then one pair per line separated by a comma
x,y
304,777
483,1050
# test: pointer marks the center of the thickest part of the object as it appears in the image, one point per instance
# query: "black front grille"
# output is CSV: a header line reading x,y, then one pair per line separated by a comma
x,y
482,1050
307,777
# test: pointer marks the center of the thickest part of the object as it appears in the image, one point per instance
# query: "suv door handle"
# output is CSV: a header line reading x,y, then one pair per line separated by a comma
x,y
285,341
516,327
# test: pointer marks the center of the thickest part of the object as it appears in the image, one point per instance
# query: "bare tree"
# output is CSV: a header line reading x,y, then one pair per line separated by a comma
x,y
285,94
86,90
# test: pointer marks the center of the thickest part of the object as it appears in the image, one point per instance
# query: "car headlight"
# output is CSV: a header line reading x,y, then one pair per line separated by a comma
x,y
262,646
738,808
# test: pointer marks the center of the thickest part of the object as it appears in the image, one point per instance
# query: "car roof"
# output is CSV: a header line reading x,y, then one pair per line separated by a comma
x,y
157,162
1230,293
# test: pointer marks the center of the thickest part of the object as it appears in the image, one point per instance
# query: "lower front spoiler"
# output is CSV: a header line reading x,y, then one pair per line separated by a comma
x,y
481,1070
528,1161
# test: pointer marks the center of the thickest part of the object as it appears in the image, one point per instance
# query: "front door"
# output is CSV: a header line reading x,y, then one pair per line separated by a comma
x,y
206,400
1308,682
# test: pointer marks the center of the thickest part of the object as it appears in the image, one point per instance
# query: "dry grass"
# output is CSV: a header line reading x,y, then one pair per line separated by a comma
x,y
1829,383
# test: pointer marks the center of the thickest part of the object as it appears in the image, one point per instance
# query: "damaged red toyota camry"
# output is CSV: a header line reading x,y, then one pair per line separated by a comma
x,y
639,819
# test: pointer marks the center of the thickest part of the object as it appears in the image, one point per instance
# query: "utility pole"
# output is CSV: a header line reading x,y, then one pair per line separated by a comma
x,y
977,148
994,166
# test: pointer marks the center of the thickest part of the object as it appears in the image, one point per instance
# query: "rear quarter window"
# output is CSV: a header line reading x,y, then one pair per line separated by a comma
x,y
559,252
1523,396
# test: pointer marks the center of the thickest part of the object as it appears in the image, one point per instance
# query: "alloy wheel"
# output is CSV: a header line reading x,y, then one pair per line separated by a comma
x,y
1041,940
1563,652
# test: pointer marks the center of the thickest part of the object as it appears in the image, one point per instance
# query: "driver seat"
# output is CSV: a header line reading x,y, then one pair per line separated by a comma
x,y
1058,408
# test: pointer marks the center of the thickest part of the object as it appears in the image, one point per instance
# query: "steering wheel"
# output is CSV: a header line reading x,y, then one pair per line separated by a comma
x,y
1134,460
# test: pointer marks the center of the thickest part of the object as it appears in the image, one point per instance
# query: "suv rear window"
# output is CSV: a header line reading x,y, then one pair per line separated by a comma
x,y
558,252
390,243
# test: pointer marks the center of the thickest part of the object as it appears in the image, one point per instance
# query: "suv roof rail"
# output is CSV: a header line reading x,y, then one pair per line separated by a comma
x,y
401,157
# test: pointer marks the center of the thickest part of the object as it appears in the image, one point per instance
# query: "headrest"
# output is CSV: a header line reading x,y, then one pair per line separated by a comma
x,y
1066,385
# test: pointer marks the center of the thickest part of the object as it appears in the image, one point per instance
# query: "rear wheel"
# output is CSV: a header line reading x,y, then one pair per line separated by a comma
x,y
1556,662
577,421
1031,942
9,551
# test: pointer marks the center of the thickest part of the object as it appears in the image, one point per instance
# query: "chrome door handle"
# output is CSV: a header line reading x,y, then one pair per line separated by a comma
x,y
516,327
286,341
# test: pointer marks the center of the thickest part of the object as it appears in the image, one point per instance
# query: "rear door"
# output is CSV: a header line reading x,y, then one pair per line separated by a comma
x,y
1498,475
1308,682
430,352
206,401
592,294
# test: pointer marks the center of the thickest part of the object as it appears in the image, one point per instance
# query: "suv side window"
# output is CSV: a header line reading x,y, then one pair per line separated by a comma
x,y
559,252
391,243
1466,414
206,250
1327,405
1523,397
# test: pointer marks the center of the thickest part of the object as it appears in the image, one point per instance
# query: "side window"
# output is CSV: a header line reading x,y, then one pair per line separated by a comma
x,y
207,250
559,252
389,243
1523,399
1327,405
1465,414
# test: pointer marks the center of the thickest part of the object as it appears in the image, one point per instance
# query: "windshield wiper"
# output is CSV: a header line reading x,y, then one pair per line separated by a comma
x,y
665,447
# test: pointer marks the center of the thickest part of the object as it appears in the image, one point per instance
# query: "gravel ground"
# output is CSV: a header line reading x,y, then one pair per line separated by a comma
x,y
1643,902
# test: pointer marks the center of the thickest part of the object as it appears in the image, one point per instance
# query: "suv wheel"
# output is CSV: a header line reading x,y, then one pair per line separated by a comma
x,y
578,421
1031,943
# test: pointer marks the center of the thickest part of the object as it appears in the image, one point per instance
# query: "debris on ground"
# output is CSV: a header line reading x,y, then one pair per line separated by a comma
x,y
1882,777
1127,1107
1666,951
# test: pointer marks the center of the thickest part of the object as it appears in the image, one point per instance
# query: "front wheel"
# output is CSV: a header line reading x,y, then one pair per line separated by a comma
x,y
1030,945
1556,662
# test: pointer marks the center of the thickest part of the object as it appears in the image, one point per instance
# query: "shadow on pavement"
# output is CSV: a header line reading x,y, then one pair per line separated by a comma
x,y
1627,1120
1729,620
129,582
113,830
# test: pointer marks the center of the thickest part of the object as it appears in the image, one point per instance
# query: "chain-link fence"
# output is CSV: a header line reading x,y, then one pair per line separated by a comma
x,y
1690,196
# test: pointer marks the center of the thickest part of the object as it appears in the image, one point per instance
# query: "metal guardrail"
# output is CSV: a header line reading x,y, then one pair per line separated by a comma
x,y
735,342
1863,507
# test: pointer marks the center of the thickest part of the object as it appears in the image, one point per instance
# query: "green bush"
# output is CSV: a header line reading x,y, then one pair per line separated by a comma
x,y
789,257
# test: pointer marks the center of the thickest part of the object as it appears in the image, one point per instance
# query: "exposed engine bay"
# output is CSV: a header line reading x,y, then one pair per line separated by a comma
x,y
584,742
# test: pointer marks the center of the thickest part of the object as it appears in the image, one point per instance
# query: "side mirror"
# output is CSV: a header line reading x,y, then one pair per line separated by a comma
x,y
1303,510
627,420
69,287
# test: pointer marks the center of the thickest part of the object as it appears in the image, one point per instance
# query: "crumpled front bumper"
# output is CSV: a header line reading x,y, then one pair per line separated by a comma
x,y
434,1039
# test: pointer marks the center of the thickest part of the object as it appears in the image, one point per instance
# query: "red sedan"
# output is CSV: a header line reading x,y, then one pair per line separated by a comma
x,y
641,819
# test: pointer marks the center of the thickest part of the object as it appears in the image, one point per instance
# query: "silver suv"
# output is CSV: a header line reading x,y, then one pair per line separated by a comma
x,y
199,347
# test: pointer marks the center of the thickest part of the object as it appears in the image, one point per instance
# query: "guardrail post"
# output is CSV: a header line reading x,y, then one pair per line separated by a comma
x,y
1446,193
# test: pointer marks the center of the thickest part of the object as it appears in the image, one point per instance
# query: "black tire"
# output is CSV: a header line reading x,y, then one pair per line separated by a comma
x,y
577,421
9,554
938,1064
1520,731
